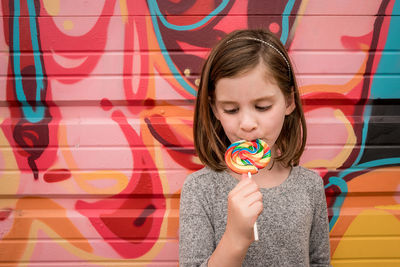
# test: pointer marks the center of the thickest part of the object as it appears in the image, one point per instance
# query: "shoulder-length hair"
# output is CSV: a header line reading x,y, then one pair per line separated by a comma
x,y
236,53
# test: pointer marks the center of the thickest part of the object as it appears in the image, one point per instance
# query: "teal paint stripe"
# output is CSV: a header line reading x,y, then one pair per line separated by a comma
x,y
338,181
385,88
157,12
167,58
29,113
35,46
339,200
285,20
380,88
367,116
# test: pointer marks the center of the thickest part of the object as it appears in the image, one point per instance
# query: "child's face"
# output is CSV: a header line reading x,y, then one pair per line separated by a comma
x,y
251,106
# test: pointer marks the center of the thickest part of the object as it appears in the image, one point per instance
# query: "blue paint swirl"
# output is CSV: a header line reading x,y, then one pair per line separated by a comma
x,y
36,114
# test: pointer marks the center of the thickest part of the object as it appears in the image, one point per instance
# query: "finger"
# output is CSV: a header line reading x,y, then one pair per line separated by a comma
x,y
244,176
247,190
254,197
256,207
240,186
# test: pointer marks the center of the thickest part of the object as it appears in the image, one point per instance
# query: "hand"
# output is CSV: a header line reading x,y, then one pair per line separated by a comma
x,y
244,207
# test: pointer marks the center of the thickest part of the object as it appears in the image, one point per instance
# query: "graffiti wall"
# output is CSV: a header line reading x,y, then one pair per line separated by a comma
x,y
96,101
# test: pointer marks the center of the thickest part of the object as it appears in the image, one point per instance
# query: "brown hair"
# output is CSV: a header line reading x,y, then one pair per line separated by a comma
x,y
239,52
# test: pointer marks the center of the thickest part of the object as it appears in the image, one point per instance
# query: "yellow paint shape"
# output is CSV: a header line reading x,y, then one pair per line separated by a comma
x,y
338,161
52,7
120,179
8,185
378,219
120,182
337,88
32,209
68,25
389,207
355,245
124,10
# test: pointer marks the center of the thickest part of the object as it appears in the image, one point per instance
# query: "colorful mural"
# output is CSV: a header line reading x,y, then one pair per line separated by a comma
x,y
96,122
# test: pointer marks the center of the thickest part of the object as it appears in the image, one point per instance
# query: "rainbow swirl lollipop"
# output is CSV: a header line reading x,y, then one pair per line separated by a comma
x,y
244,156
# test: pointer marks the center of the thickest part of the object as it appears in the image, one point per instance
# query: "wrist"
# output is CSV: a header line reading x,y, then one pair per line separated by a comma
x,y
238,244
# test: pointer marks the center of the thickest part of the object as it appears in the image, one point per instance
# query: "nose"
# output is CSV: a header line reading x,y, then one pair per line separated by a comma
x,y
248,122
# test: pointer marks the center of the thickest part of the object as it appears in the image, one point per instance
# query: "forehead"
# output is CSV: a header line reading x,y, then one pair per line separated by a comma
x,y
252,84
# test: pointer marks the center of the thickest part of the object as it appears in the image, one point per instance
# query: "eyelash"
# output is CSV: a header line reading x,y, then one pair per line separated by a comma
x,y
263,108
233,111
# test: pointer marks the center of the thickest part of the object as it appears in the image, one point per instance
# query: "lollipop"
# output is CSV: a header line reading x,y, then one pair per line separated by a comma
x,y
248,157
245,157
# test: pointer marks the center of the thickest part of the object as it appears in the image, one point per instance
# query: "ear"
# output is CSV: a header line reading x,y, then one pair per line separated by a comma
x,y
290,104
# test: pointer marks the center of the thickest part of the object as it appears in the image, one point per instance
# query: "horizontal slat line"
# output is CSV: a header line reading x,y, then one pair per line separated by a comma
x,y
185,148
174,196
74,239
77,240
299,75
92,261
89,196
367,260
183,170
80,172
202,52
87,75
365,237
122,169
73,196
23,51
46,239
188,120
310,100
349,213
122,76
200,15
120,263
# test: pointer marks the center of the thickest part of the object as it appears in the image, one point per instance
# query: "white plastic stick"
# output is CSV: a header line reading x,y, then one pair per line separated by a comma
x,y
255,223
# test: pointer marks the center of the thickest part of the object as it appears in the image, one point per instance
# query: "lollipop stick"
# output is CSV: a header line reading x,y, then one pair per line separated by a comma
x,y
255,224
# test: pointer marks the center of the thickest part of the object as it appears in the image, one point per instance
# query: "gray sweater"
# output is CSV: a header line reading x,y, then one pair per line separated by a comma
x,y
293,226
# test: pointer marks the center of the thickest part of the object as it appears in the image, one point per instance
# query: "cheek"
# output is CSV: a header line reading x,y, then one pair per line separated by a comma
x,y
273,124
227,124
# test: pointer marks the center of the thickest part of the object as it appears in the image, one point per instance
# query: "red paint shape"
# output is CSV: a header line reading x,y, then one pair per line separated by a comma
x,y
134,216
4,214
274,27
28,141
356,43
57,175
172,141
198,8
149,103
106,104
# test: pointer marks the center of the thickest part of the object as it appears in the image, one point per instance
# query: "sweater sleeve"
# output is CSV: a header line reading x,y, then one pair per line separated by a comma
x,y
196,232
319,236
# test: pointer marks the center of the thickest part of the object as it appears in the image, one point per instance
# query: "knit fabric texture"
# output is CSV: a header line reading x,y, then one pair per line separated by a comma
x,y
293,226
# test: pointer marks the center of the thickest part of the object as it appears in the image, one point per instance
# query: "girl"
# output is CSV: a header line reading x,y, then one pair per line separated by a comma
x,y
247,91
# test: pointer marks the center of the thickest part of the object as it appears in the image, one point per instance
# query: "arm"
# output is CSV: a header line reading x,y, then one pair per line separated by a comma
x,y
197,245
244,206
319,236
196,232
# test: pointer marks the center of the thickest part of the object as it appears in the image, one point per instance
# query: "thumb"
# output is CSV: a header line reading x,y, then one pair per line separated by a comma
x,y
244,176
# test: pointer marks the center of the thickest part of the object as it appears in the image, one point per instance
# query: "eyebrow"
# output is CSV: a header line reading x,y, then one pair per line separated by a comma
x,y
255,100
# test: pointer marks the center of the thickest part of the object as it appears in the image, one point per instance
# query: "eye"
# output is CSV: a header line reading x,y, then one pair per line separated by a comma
x,y
263,108
231,111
